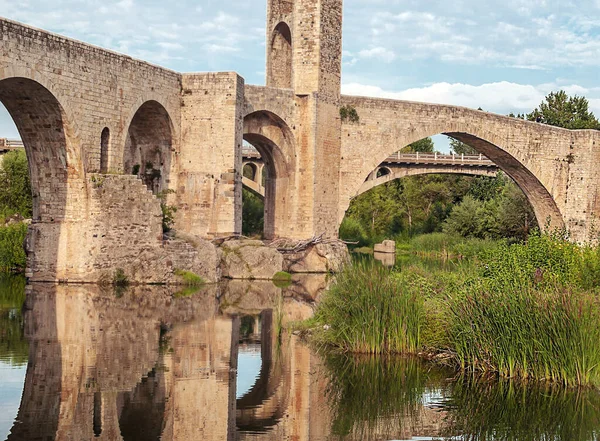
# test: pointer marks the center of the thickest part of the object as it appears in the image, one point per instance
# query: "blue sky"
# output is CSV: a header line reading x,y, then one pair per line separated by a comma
x,y
501,56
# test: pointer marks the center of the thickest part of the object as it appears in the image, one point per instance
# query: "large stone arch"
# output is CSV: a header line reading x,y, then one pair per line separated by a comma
x,y
472,130
149,144
56,170
273,139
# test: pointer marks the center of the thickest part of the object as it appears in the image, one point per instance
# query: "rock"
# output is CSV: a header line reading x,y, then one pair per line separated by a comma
x,y
249,259
320,258
388,246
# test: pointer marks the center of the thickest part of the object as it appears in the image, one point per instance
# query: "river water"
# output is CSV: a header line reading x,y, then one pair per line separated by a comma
x,y
83,363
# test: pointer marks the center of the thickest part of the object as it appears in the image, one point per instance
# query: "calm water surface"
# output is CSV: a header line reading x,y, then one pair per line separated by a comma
x,y
80,363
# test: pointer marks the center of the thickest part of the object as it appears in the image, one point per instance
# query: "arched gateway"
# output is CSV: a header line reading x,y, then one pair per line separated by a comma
x,y
83,110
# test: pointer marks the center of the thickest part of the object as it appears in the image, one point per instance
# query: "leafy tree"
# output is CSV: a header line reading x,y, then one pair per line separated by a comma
x,y
253,214
561,110
15,187
460,148
425,145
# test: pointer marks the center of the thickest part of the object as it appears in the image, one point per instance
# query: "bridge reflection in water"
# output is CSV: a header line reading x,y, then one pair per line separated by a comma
x,y
147,365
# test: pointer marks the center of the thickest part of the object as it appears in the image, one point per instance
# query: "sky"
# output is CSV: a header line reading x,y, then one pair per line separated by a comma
x,y
502,56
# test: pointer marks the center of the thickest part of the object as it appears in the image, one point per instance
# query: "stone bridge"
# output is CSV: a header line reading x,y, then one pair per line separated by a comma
x,y
397,166
106,135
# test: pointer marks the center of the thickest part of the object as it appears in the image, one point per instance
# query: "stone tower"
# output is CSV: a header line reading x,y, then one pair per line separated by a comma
x,y
304,54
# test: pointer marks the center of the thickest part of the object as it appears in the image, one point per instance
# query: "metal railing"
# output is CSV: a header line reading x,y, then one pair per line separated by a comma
x,y
438,158
11,144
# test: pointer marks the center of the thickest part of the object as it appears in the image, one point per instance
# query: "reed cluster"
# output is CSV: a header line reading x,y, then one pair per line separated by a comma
x,y
368,310
528,311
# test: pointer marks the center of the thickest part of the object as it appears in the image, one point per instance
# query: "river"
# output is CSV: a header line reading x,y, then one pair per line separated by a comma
x,y
147,363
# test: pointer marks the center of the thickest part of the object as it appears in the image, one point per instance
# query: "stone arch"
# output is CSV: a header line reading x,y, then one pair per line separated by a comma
x,y
369,184
485,142
274,140
104,149
250,171
148,146
382,171
50,144
280,56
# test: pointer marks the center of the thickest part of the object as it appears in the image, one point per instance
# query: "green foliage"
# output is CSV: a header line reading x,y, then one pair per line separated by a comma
x,y
253,214
352,230
120,279
189,278
168,211
425,145
561,110
447,245
15,187
513,411
14,348
460,148
367,310
349,113
12,247
374,394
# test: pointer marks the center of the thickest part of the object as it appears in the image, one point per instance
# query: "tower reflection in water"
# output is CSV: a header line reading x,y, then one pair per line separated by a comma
x,y
150,365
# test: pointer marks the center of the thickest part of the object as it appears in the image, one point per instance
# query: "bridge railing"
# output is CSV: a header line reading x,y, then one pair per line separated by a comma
x,y
438,158
11,144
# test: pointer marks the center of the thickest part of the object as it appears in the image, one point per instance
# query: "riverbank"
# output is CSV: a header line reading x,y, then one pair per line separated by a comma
x,y
525,311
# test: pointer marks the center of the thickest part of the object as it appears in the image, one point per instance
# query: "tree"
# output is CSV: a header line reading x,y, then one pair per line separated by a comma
x,y
425,145
460,148
561,110
15,187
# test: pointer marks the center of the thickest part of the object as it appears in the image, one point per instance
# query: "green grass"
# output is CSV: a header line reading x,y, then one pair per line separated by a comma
x,y
528,310
446,245
367,310
190,279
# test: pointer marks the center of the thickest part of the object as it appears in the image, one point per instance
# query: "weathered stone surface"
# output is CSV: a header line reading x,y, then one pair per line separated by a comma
x,y
82,110
387,246
327,257
249,259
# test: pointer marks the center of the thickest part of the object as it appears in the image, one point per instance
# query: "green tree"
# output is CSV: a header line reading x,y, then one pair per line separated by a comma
x,y
15,187
460,148
253,214
424,145
561,110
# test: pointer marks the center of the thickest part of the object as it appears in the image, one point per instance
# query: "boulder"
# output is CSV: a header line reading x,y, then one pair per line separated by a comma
x,y
249,259
320,258
388,246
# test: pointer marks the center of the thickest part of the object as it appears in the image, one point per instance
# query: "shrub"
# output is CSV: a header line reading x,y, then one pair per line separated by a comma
x,y
351,230
12,250
120,279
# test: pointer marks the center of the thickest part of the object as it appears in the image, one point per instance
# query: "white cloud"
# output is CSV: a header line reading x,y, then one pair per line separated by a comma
x,y
501,97
378,52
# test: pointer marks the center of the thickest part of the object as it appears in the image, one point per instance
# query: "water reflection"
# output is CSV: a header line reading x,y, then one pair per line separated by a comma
x,y
147,365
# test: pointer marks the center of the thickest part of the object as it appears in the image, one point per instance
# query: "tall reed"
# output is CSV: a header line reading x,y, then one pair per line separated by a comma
x,y
368,310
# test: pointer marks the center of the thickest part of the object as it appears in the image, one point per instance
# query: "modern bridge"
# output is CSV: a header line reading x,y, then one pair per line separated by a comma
x,y
399,165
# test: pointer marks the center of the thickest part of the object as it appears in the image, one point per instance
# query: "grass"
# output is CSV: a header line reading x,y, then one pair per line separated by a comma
x,y
368,310
190,279
282,279
528,311
446,245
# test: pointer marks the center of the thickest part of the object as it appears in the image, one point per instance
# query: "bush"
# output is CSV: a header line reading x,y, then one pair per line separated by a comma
x,y
351,230
12,249
369,310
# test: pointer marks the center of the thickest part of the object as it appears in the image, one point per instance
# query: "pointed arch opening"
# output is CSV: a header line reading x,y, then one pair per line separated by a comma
x,y
104,149
280,58
147,152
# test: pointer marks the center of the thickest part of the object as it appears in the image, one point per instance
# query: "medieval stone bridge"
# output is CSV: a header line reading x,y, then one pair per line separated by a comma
x,y
105,134
399,165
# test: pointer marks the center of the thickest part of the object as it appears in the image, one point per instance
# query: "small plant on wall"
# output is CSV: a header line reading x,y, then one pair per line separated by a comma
x,y
168,211
349,113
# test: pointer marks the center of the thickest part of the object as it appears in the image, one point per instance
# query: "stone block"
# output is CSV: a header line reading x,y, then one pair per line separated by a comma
x,y
387,246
